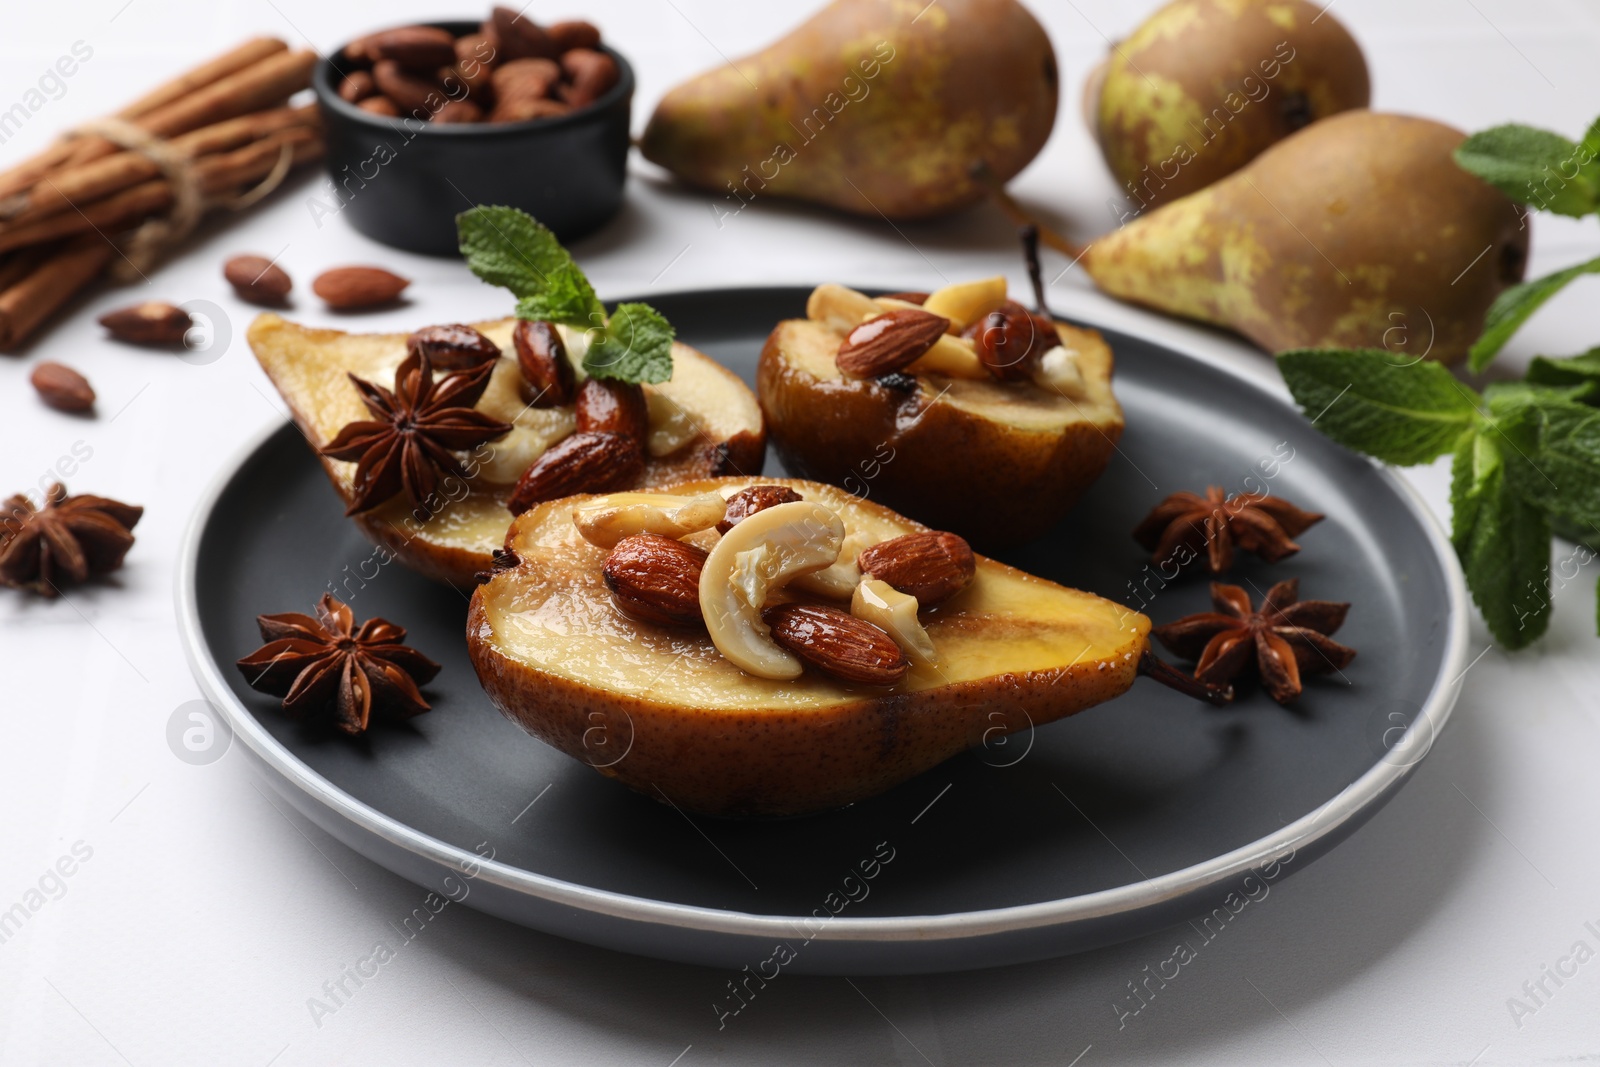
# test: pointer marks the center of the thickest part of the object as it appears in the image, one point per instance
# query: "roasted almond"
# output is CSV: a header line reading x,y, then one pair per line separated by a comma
x,y
581,463
933,567
519,37
352,288
889,342
453,346
357,86
526,109
542,355
419,48
62,387
153,322
257,280
412,93
743,453
746,502
590,74
605,406
656,579
380,105
457,111
574,33
837,643
531,78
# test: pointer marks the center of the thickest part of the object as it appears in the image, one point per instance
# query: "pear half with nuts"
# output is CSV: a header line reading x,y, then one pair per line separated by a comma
x,y
959,407
785,665
702,422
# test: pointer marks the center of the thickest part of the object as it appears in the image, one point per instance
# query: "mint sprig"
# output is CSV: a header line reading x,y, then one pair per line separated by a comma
x,y
511,249
1526,455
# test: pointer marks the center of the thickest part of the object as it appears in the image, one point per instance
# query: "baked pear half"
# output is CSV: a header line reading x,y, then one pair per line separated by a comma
x,y
589,637
702,422
992,427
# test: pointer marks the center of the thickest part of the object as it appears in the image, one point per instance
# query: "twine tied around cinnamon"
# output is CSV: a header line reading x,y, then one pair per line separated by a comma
x,y
156,236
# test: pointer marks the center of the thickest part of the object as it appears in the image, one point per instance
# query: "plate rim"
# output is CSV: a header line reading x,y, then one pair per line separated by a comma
x,y
1323,822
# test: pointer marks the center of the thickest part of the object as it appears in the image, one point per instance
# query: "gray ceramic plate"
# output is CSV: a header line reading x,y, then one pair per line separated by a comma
x,y
1123,819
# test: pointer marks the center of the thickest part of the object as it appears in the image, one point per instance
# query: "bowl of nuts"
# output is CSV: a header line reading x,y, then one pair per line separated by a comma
x,y
428,120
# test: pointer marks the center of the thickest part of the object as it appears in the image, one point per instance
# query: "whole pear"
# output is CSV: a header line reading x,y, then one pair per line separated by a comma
x,y
879,107
1202,87
1358,231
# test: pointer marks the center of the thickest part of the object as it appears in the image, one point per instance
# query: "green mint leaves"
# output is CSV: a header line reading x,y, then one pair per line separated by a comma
x,y
1547,172
511,249
1526,455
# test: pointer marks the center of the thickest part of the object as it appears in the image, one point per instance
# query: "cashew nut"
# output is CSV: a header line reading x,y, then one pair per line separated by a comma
x,y
839,579
964,303
840,309
754,559
895,613
606,521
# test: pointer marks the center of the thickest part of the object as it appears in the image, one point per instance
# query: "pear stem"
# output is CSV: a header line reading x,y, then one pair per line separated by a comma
x,y
1157,669
1030,255
1018,215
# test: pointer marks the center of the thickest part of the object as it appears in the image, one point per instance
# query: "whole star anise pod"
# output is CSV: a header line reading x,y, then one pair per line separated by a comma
x,y
69,540
1286,639
326,664
411,441
1258,523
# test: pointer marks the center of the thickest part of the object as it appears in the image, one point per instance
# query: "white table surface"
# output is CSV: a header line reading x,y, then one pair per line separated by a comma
x,y
208,913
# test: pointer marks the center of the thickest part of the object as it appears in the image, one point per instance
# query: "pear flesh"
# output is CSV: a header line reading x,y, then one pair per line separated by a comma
x,y
1358,231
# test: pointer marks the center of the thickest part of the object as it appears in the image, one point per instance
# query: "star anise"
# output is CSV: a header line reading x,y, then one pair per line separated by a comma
x,y
1256,522
410,443
1286,639
69,540
326,664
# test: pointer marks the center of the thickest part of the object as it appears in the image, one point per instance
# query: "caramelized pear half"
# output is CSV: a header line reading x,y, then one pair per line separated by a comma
x,y
705,409
662,711
997,462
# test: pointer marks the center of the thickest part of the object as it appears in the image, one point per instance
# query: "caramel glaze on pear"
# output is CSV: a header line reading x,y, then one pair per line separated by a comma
x,y
870,106
660,710
1202,87
1358,231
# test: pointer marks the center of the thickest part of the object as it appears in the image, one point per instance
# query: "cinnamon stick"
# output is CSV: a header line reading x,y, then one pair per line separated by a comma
x,y
26,304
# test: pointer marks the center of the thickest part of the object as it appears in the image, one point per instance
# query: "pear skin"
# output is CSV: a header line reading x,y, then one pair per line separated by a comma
x,y
871,106
1202,87
1358,231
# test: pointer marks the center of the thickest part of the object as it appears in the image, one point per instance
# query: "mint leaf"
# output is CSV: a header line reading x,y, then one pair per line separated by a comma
x,y
636,346
511,249
1514,306
1580,371
1559,471
1503,396
1534,167
1503,541
1400,413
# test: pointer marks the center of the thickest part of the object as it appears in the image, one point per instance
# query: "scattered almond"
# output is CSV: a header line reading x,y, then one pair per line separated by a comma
x,y
355,288
605,406
933,567
889,342
62,387
581,463
746,502
656,579
837,643
453,346
153,322
542,355
257,280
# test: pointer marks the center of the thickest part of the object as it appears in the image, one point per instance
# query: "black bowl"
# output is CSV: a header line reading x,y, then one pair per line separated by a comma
x,y
402,181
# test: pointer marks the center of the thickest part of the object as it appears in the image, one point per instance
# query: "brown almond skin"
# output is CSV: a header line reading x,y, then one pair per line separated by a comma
x,y
526,109
62,387
412,93
530,78
743,453
418,48
520,37
357,86
933,567
580,463
574,33
656,579
838,644
153,322
453,346
746,502
458,111
613,407
380,105
257,280
542,355
889,342
589,75
355,288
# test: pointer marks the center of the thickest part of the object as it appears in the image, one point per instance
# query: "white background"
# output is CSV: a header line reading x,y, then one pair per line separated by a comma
x,y
209,913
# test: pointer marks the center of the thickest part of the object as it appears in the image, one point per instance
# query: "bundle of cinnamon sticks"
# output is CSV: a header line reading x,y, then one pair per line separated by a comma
x,y
67,213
